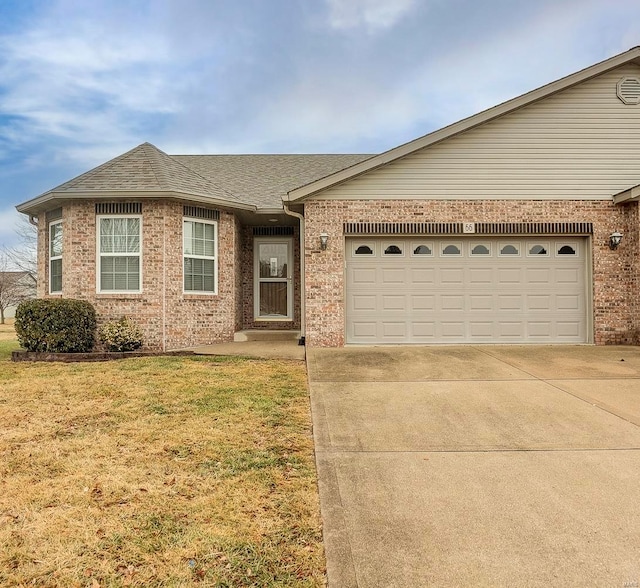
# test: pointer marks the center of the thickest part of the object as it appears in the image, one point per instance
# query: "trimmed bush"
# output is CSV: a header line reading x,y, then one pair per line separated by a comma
x,y
56,325
122,335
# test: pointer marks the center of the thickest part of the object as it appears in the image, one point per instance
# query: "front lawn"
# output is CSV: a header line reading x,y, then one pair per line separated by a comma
x,y
166,471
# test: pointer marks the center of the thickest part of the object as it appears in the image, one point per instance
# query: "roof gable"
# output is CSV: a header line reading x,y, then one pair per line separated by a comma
x,y
303,192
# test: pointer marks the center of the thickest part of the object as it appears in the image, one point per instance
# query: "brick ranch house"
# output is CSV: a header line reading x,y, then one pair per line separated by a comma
x,y
501,228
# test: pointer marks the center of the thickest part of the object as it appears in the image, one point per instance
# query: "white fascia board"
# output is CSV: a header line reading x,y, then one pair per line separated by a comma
x,y
464,125
627,195
37,204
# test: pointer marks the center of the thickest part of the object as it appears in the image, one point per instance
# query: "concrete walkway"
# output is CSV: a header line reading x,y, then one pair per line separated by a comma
x,y
478,466
258,349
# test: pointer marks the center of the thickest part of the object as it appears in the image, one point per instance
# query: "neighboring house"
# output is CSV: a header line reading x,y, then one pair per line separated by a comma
x,y
501,228
15,286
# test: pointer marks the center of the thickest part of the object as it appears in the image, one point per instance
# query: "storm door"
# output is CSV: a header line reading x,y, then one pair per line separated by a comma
x,y
273,279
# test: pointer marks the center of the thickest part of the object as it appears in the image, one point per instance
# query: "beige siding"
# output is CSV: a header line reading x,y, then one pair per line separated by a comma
x,y
583,143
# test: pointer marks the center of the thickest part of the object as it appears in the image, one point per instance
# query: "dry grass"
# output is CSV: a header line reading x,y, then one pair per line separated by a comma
x,y
157,472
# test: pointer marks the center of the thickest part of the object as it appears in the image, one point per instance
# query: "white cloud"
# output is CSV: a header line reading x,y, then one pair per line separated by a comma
x,y
9,219
373,15
82,88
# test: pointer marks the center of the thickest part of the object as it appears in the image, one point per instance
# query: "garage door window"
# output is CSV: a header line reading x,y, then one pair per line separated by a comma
x,y
481,249
451,250
566,250
422,249
363,250
538,249
393,250
510,249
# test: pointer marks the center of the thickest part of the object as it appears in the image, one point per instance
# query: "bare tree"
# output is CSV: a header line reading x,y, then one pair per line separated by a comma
x,y
15,286
24,256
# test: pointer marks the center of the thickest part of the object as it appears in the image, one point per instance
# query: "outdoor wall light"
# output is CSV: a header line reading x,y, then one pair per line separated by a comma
x,y
324,239
614,240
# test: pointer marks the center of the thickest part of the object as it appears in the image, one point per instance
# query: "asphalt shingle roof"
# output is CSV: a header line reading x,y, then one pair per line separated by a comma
x,y
258,180
263,180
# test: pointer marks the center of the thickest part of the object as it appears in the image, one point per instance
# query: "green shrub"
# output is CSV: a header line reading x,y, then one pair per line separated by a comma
x,y
122,335
59,325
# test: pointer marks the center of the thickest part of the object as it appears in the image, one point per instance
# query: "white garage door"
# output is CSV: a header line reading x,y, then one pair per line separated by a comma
x,y
466,290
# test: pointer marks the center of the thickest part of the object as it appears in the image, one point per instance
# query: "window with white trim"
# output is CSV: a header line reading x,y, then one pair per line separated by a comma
x,y
119,253
55,257
200,259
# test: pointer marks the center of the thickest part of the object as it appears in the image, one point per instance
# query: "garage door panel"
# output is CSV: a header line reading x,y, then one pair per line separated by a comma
x,y
423,329
567,275
480,302
452,302
452,276
364,302
394,329
509,275
452,329
393,302
539,329
480,329
395,276
539,302
468,298
422,276
568,302
364,276
510,302
511,330
538,275
569,329
481,276
366,330
422,302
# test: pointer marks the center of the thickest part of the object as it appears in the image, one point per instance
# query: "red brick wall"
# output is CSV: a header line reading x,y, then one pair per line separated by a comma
x,y
615,273
167,316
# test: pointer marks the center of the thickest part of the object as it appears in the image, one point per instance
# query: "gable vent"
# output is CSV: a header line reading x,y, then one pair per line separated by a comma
x,y
629,90
119,208
197,212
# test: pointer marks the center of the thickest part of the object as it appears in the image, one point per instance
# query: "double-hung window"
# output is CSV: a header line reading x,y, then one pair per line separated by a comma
x,y
119,247
199,250
55,257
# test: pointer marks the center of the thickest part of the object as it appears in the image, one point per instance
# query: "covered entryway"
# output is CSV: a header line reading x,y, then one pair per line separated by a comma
x,y
467,290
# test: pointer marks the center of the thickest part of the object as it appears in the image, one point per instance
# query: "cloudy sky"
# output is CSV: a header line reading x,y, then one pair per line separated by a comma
x,y
82,81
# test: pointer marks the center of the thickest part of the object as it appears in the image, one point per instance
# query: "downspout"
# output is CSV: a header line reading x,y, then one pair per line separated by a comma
x,y
302,289
33,220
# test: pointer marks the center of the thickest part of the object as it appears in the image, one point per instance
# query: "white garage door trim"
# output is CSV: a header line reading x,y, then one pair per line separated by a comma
x,y
531,289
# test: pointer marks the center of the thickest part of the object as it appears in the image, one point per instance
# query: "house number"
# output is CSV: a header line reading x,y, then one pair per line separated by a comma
x,y
469,227
274,267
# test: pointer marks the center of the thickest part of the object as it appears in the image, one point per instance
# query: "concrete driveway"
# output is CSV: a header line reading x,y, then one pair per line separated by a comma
x,y
478,466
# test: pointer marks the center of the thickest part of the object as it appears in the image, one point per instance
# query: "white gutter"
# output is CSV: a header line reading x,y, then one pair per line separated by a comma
x,y
302,281
46,198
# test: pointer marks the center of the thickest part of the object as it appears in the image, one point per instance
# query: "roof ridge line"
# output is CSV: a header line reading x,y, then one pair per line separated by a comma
x,y
161,183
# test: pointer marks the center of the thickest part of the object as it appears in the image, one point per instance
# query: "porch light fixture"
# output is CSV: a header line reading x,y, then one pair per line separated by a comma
x,y
614,240
324,239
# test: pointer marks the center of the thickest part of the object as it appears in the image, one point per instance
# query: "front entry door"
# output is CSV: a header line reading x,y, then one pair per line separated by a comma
x,y
273,277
